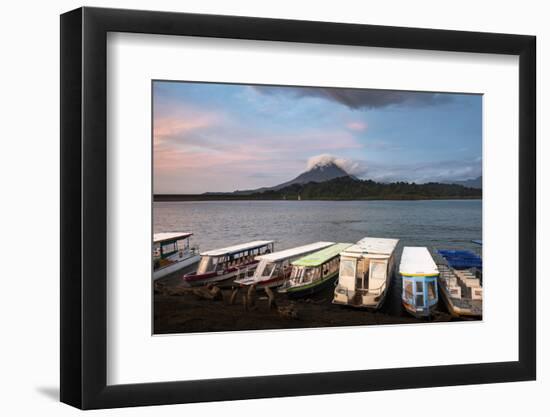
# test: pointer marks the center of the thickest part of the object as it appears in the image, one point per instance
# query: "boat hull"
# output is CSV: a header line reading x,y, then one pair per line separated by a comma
x,y
225,279
455,310
176,266
362,299
260,285
306,290
424,312
375,305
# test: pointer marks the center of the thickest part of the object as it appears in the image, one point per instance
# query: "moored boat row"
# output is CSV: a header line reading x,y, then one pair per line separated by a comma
x,y
360,273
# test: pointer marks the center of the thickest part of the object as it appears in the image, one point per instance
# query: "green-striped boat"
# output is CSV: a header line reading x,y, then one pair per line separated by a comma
x,y
314,271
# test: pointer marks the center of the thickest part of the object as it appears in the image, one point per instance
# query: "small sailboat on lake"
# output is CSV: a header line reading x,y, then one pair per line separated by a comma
x,y
419,275
314,272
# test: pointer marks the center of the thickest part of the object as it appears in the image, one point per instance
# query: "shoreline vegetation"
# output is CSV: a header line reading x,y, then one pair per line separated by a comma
x,y
341,189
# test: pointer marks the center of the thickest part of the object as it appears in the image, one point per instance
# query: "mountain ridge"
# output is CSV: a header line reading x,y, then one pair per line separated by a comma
x,y
318,173
472,183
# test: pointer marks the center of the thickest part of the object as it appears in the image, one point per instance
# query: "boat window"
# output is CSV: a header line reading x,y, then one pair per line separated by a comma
x,y
316,274
277,270
267,270
378,270
207,264
419,286
419,300
168,248
431,290
156,250
408,286
347,268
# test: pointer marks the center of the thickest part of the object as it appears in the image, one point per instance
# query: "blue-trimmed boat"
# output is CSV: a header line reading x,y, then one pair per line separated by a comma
x,y
419,275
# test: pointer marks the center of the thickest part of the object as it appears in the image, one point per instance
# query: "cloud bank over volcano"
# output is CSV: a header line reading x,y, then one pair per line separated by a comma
x,y
351,167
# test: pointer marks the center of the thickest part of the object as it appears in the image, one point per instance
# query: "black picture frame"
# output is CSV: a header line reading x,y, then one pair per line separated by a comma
x,y
84,207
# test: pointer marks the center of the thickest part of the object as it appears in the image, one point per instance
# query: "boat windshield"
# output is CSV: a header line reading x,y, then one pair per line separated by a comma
x,y
296,273
305,275
207,264
265,269
347,268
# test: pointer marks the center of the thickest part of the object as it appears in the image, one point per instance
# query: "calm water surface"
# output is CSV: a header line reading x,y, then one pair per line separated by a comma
x,y
290,223
216,224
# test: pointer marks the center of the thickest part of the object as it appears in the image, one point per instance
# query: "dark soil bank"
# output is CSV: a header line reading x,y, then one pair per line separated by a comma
x,y
179,309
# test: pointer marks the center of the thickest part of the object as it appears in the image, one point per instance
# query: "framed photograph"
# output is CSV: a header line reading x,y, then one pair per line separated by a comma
x,y
257,208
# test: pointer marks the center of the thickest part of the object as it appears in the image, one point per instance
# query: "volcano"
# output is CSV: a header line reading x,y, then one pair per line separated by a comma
x,y
318,173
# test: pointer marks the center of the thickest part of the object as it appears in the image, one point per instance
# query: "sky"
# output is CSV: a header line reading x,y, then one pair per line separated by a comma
x,y
210,137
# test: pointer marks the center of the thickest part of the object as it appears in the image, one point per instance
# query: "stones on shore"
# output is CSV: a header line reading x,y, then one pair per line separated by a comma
x,y
271,298
210,292
233,296
288,312
249,297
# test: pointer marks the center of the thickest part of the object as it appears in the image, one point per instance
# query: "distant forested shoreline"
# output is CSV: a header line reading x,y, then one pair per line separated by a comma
x,y
343,188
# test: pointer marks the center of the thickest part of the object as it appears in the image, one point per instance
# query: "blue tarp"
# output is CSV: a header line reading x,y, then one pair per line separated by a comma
x,y
461,259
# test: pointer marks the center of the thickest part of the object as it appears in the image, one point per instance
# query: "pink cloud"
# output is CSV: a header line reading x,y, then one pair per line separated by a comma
x,y
357,126
173,126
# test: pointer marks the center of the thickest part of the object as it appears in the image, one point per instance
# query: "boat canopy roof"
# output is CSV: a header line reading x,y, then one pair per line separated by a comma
x,y
237,248
324,255
372,245
417,261
290,253
170,236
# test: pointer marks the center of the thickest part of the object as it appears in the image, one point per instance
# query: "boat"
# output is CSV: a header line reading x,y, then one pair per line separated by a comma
x,y
223,266
172,252
460,284
366,269
461,259
419,276
275,268
314,272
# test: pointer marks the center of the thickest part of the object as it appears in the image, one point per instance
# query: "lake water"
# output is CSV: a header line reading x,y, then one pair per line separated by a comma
x,y
216,224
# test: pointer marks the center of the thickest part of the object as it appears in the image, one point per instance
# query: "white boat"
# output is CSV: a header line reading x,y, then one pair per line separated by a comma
x,y
460,283
275,268
419,275
366,269
172,252
222,266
